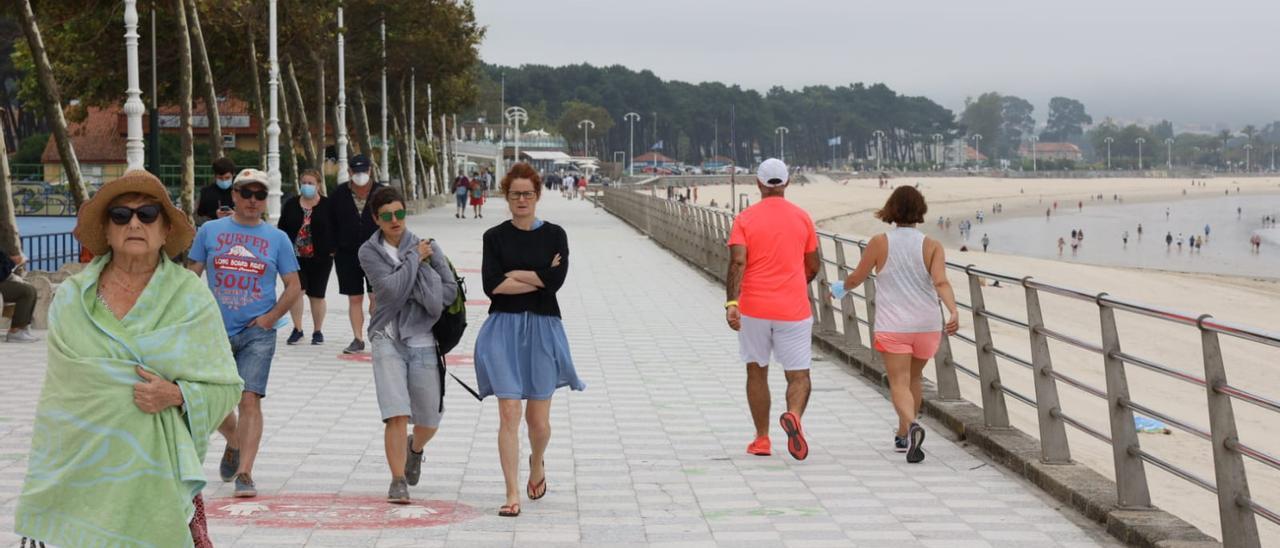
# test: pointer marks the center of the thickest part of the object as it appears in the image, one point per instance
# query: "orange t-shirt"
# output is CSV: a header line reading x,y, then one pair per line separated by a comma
x,y
777,235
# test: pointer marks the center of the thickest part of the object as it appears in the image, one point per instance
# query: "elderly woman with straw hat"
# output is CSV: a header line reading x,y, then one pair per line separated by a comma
x,y
139,375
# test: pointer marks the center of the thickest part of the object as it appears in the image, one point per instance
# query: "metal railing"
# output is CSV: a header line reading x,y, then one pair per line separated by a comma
x,y
48,252
699,235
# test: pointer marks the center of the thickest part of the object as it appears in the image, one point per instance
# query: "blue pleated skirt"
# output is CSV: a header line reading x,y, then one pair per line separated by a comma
x,y
523,356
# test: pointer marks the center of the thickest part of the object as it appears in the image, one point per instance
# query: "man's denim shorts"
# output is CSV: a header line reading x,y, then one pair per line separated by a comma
x,y
254,348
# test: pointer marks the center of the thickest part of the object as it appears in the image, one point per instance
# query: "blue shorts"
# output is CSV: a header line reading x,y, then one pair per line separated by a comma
x,y
254,348
462,199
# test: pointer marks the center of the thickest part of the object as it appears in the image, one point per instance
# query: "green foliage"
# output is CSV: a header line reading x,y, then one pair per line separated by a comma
x,y
574,112
30,149
1066,121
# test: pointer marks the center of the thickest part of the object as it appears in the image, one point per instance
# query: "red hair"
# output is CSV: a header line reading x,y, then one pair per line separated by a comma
x,y
522,170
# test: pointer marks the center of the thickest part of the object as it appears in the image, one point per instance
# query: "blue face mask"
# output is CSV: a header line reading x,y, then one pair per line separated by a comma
x,y
308,191
223,183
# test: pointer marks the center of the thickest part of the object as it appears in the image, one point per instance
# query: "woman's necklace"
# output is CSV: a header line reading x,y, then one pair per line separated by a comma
x,y
117,278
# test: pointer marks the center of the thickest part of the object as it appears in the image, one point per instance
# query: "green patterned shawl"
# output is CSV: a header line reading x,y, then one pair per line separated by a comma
x,y
101,471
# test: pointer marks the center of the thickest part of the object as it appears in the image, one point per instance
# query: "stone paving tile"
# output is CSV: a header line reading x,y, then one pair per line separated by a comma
x,y
651,454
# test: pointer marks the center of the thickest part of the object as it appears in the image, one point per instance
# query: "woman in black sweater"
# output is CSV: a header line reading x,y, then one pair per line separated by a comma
x,y
305,218
522,352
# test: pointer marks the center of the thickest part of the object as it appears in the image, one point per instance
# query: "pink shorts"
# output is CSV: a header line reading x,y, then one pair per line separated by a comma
x,y
921,346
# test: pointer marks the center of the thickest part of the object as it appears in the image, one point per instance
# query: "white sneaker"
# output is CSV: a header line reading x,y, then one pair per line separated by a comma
x,y
21,336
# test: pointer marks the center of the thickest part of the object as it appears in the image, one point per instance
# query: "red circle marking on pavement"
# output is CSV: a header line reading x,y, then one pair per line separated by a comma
x,y
478,302
357,357
459,359
337,512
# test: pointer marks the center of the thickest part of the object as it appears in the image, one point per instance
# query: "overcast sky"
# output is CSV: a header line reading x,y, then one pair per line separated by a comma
x,y
1202,62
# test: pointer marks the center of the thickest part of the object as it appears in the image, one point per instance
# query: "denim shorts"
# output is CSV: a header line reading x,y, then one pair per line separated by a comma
x,y
407,380
253,348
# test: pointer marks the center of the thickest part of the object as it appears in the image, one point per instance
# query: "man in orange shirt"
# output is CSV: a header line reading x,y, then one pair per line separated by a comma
x,y
773,255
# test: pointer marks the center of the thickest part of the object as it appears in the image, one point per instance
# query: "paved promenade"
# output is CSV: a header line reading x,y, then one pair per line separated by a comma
x,y
652,453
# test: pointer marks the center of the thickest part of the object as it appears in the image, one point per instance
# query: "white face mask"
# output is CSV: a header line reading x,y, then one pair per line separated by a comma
x,y
360,179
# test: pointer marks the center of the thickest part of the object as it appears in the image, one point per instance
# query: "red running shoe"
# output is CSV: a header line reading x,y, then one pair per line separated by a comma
x,y
761,447
795,436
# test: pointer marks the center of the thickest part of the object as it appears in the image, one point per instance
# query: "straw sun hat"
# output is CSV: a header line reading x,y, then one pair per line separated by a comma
x,y
91,228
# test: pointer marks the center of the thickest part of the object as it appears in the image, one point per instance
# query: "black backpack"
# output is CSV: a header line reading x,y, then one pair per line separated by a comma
x,y
453,319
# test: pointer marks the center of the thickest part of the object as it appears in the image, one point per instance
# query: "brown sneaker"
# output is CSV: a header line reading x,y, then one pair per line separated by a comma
x,y
245,487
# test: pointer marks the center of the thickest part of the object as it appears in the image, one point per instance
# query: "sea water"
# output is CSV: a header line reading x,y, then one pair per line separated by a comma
x,y
1226,250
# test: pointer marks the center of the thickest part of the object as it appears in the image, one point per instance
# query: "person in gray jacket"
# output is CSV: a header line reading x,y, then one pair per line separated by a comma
x,y
412,281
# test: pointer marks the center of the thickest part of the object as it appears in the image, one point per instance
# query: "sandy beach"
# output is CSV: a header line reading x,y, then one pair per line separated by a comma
x,y
846,207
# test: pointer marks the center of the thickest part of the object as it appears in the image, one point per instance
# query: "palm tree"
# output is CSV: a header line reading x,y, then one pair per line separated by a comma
x,y
1224,136
10,243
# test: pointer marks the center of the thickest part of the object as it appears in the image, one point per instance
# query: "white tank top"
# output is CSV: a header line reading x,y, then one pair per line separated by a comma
x,y
906,301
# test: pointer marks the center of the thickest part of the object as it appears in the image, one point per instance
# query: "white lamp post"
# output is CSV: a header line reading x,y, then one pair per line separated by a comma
x,y
1034,140
341,118
385,167
631,148
1140,141
1108,141
938,150
1168,144
413,135
517,116
586,125
977,148
1247,148
782,132
133,148
273,120
879,150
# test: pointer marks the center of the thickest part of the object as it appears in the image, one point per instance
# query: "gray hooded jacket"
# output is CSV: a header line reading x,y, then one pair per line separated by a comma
x,y
411,294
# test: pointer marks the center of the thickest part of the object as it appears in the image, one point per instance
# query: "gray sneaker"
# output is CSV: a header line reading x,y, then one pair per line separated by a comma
x,y
915,438
21,336
412,463
399,491
245,487
356,346
230,463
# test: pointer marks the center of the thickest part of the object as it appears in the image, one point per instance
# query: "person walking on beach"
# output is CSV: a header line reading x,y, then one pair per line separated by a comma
x,y
243,256
1168,239
305,219
521,352
1206,231
1125,238
911,278
1080,205
1061,243
1256,241
1139,231
413,279
773,249
986,241
1075,246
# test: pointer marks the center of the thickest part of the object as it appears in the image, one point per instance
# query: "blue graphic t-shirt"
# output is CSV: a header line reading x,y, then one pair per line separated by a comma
x,y
241,265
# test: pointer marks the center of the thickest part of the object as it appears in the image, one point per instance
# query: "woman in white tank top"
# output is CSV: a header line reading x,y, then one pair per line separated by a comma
x,y
911,278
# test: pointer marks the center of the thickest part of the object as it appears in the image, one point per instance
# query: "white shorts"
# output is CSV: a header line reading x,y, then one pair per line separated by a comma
x,y
790,342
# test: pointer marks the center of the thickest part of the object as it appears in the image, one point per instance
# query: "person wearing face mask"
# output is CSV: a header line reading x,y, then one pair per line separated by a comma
x,y
305,219
215,198
352,224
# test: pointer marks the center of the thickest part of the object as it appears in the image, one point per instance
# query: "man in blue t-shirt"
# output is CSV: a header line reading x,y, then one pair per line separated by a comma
x,y
243,255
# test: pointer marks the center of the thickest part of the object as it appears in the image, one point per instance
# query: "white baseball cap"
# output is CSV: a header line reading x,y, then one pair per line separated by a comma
x,y
772,170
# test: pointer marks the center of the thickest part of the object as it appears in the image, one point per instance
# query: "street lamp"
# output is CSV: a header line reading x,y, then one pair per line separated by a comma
x,y
878,135
1139,140
341,117
1168,143
133,105
937,149
782,132
1247,147
586,125
1108,141
1034,140
1273,157
631,118
977,148
516,116
273,119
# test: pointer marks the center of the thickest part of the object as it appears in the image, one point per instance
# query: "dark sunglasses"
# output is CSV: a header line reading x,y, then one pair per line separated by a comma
x,y
259,195
122,215
399,214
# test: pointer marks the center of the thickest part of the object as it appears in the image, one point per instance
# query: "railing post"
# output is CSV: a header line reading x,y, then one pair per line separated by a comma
x,y
848,305
826,314
1054,448
1130,472
994,412
1239,526
870,290
944,370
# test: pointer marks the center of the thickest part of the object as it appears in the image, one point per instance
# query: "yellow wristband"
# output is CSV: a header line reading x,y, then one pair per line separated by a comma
x,y
730,303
